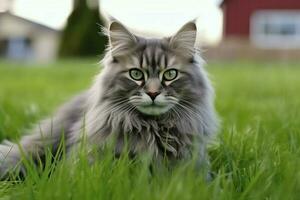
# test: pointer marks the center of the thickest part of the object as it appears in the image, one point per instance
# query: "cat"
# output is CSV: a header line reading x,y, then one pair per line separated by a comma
x,y
152,91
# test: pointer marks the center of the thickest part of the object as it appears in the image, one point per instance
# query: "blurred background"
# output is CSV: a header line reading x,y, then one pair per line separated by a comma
x,y
45,30
50,50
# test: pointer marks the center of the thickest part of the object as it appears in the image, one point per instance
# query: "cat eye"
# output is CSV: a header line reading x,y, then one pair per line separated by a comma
x,y
136,74
170,74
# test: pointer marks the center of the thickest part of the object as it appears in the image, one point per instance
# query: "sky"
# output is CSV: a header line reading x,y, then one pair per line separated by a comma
x,y
155,17
52,13
165,17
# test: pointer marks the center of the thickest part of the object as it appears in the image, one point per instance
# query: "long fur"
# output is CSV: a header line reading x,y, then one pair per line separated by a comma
x,y
104,111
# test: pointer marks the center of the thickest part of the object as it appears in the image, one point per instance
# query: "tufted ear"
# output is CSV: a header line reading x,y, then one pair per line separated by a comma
x,y
184,40
120,38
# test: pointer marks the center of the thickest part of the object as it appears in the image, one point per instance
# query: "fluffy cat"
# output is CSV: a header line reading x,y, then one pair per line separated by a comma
x,y
153,92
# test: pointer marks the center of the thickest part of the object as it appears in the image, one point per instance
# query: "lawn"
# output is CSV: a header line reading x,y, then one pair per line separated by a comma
x,y
256,156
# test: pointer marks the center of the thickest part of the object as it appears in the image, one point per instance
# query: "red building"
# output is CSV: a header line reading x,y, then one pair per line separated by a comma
x,y
259,29
265,23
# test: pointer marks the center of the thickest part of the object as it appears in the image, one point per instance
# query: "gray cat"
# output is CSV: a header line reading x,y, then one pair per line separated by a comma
x,y
153,92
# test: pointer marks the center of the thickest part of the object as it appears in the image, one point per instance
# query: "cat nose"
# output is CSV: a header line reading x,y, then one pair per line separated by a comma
x,y
153,95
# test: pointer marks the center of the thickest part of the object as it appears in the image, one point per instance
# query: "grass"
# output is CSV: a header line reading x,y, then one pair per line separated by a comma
x,y
257,155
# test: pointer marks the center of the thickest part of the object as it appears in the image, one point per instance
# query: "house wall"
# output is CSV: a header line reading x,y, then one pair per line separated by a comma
x,y
44,41
45,46
237,13
10,27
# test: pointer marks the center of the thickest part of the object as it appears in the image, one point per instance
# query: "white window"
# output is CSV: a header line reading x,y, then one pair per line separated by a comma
x,y
275,29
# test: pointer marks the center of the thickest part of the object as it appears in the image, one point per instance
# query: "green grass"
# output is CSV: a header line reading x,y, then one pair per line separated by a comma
x,y
257,155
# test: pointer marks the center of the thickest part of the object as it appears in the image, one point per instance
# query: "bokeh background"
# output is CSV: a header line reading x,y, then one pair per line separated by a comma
x,y
50,50
44,31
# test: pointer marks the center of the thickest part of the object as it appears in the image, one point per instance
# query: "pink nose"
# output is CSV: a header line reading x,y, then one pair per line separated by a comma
x,y
153,95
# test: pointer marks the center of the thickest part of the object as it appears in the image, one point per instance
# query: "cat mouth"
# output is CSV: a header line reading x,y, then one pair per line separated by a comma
x,y
154,105
153,109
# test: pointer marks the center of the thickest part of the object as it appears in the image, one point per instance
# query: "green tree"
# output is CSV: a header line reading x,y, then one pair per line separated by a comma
x,y
81,36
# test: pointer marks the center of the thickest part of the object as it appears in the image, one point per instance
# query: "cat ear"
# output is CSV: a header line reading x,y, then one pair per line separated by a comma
x,y
120,38
184,40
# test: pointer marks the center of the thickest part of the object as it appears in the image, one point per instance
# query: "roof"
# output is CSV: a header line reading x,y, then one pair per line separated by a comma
x,y
28,21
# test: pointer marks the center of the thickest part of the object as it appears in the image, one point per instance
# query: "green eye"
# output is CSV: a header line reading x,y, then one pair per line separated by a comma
x,y
170,74
136,74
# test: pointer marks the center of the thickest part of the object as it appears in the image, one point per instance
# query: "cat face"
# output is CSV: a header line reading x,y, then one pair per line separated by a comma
x,y
153,76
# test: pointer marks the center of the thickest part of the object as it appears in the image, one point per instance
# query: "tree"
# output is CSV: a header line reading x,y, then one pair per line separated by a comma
x,y
81,35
